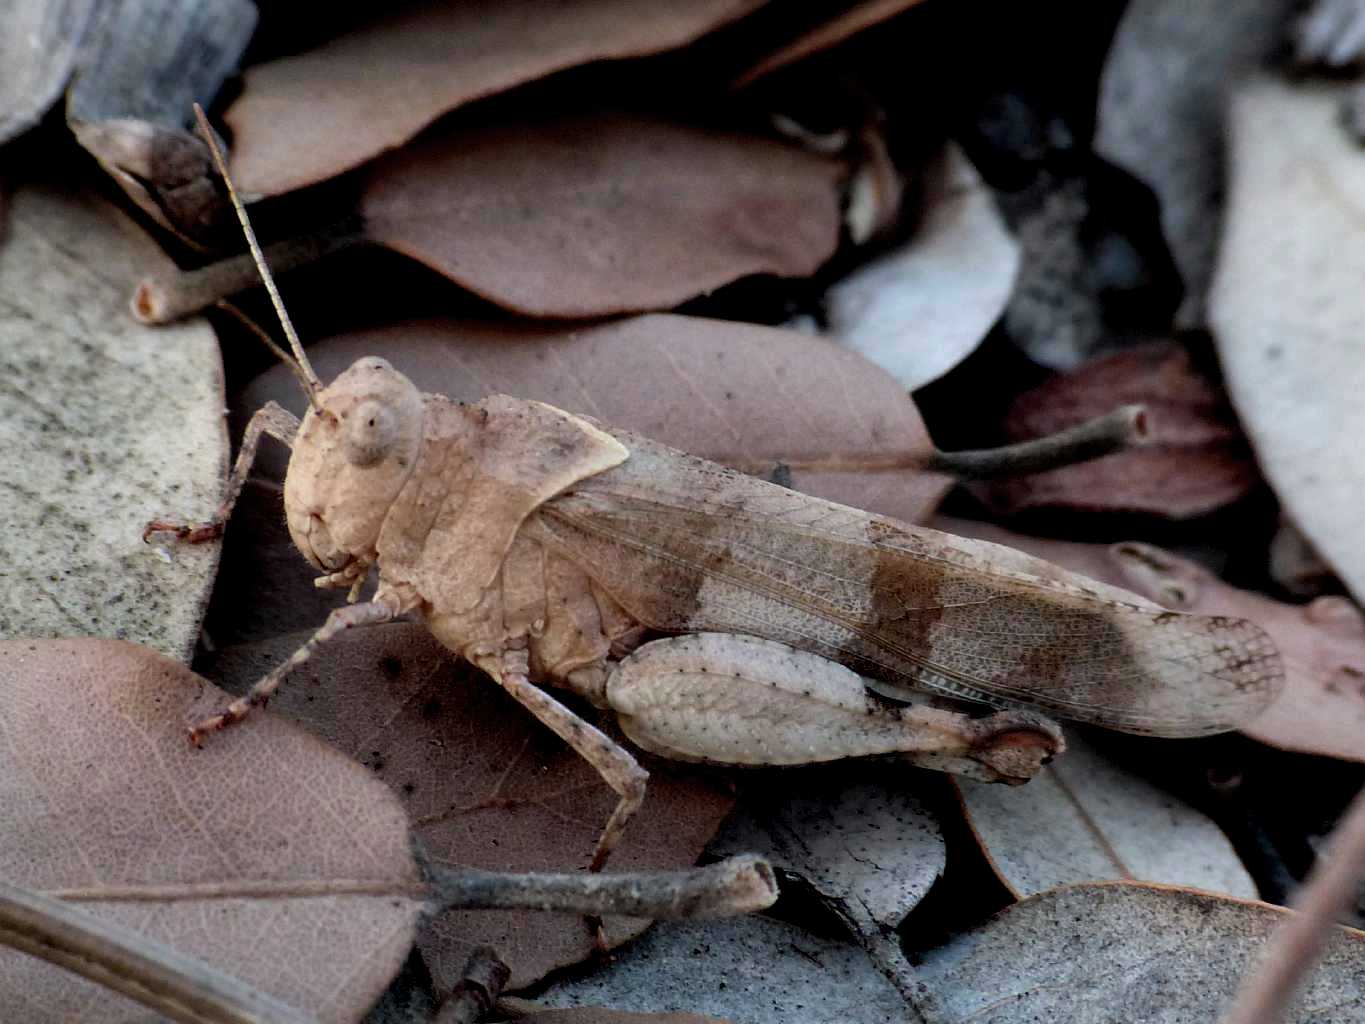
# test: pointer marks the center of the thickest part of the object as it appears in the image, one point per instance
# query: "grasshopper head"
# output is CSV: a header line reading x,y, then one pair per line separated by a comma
x,y
354,451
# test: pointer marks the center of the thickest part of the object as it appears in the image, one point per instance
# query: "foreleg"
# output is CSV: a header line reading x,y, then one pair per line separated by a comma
x,y
733,699
271,419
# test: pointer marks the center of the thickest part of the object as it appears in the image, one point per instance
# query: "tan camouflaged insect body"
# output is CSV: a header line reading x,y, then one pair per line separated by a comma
x,y
546,548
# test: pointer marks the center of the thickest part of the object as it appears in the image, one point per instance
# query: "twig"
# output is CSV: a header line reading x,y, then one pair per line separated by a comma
x,y
1125,427
478,989
168,297
1297,944
735,886
182,988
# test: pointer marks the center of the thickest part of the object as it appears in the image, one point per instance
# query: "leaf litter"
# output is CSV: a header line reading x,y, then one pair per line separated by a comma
x,y
552,211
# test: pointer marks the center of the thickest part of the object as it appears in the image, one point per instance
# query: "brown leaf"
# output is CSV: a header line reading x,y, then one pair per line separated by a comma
x,y
239,854
485,784
591,215
106,424
311,116
38,51
755,397
1288,328
1094,954
1196,461
1322,707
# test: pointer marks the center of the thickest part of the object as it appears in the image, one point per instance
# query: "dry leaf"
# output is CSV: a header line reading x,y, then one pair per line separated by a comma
x,y
1287,310
144,66
38,51
116,423
921,309
1195,462
311,116
591,215
1086,819
755,397
856,832
753,970
1162,99
1095,954
484,783
240,854
1322,707
826,35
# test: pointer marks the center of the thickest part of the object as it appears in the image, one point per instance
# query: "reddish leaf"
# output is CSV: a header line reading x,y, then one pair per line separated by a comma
x,y
485,784
754,397
1197,460
311,116
591,215
1322,707
240,854
826,35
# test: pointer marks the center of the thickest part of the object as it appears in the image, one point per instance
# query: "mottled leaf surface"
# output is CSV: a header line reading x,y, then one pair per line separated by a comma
x,y
752,397
589,215
484,783
108,423
856,832
750,970
920,309
1288,328
38,51
1094,954
310,116
1196,459
1086,819
241,854
1322,707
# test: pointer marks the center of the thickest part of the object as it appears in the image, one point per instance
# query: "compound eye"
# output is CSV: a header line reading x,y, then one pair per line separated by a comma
x,y
370,433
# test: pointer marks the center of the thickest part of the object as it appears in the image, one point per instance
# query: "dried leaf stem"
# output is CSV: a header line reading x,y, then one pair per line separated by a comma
x,y
1124,427
1297,944
738,885
168,297
477,991
158,977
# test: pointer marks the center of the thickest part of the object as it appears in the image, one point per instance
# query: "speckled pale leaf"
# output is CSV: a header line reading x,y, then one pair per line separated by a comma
x,y
1086,819
1097,954
313,115
601,1015
1287,310
485,784
1322,707
39,44
590,215
1162,101
920,310
107,424
748,396
243,854
856,832
751,970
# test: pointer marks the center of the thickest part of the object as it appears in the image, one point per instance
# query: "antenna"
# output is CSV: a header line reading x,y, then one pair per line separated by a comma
x,y
306,374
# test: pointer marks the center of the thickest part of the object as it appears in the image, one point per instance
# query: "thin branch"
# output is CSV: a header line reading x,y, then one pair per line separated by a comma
x,y
1125,427
164,298
158,977
739,885
1297,944
478,989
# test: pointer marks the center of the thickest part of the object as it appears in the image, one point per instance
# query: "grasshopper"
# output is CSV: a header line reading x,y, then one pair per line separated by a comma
x,y
545,547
